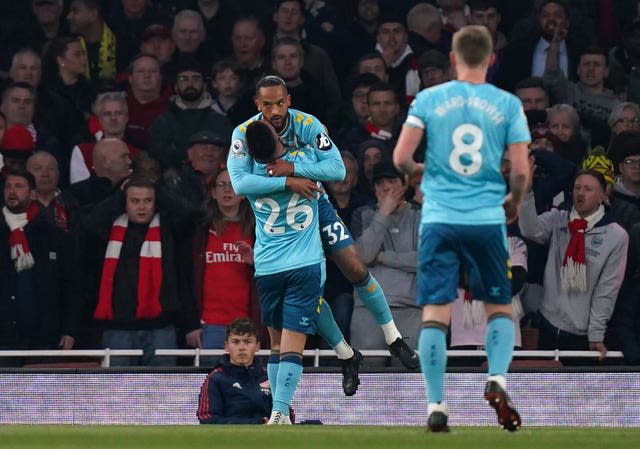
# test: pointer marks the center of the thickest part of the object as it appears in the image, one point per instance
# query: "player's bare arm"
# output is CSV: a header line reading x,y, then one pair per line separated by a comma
x,y
410,138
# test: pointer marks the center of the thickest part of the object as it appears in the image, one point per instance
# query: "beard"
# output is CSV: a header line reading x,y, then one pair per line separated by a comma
x,y
191,94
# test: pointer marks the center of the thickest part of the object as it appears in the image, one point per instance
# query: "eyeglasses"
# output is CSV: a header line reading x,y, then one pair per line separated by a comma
x,y
223,185
628,120
193,78
635,163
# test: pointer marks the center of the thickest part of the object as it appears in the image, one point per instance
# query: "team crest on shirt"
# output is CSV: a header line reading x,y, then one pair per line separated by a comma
x,y
323,142
237,149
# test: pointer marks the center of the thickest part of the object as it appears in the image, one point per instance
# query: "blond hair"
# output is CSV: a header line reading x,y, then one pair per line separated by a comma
x,y
473,45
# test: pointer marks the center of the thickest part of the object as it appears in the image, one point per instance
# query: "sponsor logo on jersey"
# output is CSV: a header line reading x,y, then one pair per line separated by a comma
x,y
323,142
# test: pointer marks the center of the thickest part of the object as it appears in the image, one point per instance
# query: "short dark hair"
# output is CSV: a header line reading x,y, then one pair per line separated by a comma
x,y
18,85
270,81
22,173
382,86
241,326
561,3
594,50
93,4
529,83
596,174
139,180
261,143
482,5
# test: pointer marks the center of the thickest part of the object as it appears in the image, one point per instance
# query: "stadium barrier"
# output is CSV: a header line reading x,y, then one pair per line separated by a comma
x,y
106,354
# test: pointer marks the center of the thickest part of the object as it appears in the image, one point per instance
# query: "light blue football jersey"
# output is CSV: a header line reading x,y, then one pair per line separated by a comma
x,y
287,234
468,127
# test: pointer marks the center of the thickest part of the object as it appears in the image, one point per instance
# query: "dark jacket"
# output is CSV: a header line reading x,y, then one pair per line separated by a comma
x,y
176,300
55,300
233,394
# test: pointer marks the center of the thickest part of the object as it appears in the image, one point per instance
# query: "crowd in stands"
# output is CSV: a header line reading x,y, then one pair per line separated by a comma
x,y
120,227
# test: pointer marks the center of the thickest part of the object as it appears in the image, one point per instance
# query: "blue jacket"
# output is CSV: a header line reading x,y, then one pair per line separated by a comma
x,y
233,394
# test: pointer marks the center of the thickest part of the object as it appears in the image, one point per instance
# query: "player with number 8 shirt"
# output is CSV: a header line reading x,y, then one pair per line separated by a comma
x,y
468,123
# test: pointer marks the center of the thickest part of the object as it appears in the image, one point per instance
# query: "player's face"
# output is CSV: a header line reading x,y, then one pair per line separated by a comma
x,y
224,195
241,348
587,195
274,102
141,204
560,125
592,70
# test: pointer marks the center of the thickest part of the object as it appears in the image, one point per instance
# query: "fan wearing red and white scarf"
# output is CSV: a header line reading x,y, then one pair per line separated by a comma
x,y
20,252
573,272
149,271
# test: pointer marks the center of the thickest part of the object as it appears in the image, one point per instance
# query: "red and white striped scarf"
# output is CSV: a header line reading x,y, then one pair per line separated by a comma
x,y
149,271
20,252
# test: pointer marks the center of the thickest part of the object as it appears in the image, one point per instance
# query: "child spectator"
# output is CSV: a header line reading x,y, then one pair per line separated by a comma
x,y
237,391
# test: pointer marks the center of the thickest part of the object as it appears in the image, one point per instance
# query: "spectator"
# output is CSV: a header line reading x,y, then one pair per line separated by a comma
x,y
587,258
387,238
248,41
112,113
361,33
223,261
147,99
424,24
624,117
128,19
18,106
156,40
55,208
65,67
189,35
455,14
40,307
392,43
111,165
527,57
237,391
625,198
17,146
287,60
486,12
624,60
356,110
564,123
588,96
140,288
373,63
48,18
100,44
370,152
218,16
207,152
384,119
227,83
433,68
533,96
289,20
189,112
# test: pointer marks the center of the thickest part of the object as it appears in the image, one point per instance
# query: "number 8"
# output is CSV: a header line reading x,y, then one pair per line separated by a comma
x,y
472,149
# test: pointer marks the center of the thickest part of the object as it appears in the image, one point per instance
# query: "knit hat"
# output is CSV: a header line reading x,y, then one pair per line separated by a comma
x,y
623,145
598,161
17,143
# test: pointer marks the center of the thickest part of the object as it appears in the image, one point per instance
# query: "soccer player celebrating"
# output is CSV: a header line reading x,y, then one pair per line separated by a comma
x,y
300,131
288,255
468,124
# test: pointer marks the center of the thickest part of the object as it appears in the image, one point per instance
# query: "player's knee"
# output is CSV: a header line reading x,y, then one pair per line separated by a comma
x,y
350,264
